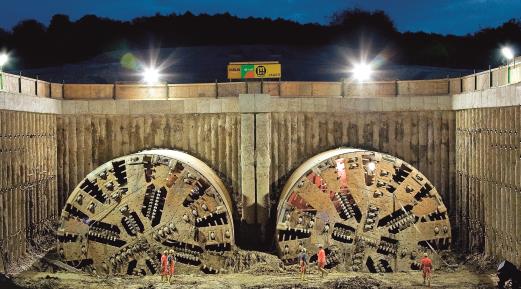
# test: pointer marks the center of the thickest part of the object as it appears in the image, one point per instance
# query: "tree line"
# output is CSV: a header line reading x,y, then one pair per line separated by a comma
x,y
65,41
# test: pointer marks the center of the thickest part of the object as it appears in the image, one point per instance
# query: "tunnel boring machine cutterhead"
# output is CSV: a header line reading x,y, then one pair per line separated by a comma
x,y
371,211
125,213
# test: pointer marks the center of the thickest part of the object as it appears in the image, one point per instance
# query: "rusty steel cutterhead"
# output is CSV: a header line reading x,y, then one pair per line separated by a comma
x,y
371,211
126,212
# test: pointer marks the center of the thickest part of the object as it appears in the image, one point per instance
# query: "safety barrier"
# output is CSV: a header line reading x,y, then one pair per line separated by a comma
x,y
496,77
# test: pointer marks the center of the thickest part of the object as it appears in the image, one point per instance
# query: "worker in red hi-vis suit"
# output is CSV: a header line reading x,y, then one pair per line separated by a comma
x,y
426,266
164,266
321,260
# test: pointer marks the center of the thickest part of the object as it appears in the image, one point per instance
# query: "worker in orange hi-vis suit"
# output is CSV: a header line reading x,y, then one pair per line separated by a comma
x,y
171,265
321,259
303,260
164,266
426,266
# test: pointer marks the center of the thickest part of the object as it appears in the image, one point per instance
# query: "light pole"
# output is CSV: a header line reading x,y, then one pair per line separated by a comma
x,y
4,58
508,55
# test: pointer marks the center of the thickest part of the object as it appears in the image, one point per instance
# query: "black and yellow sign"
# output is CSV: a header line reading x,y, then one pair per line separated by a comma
x,y
254,70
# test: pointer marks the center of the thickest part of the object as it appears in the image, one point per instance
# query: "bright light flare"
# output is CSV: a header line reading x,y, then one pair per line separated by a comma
x,y
362,71
371,166
4,58
151,75
507,52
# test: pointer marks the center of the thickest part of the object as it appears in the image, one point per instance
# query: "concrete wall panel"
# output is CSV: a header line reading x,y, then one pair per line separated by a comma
x,y
326,89
88,91
28,86
271,88
424,87
455,85
56,90
468,83
296,88
370,89
231,89
192,90
43,88
483,80
133,91
11,83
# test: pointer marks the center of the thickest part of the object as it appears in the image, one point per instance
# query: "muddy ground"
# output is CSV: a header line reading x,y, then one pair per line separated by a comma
x,y
268,272
460,279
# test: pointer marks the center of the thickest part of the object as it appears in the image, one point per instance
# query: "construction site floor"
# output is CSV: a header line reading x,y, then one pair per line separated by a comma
x,y
461,278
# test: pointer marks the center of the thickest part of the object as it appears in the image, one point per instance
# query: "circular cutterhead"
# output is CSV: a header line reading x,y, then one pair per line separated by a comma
x,y
125,213
371,211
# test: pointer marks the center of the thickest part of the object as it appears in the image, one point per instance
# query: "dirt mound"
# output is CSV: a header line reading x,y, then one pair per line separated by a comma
x,y
481,263
148,286
7,283
256,263
358,282
42,241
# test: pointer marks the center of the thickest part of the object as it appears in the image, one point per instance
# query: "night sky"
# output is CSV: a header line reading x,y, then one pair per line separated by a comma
x,y
440,16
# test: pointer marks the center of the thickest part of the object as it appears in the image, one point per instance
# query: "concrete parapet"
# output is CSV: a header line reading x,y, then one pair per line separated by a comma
x,y
254,87
423,87
381,88
508,95
326,89
11,83
515,74
231,89
271,87
468,83
482,80
141,91
88,91
56,90
192,90
455,85
43,88
501,76
259,103
503,96
293,88
29,103
479,81
27,86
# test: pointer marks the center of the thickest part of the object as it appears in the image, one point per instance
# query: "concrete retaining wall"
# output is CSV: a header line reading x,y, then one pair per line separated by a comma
x,y
467,144
488,181
28,185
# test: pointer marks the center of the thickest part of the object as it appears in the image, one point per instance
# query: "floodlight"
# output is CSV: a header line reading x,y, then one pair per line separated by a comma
x,y
151,75
4,58
507,52
371,166
362,71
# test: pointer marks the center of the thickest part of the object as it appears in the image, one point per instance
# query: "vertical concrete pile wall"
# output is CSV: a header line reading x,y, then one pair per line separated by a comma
x,y
87,141
488,181
425,139
28,187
